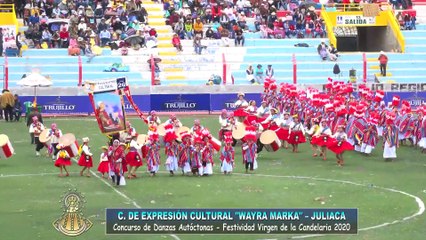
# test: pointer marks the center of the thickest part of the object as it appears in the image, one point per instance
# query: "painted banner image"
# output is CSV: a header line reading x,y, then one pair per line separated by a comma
x,y
109,111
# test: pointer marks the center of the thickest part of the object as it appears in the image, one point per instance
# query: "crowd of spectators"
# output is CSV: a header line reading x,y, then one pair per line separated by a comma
x,y
80,24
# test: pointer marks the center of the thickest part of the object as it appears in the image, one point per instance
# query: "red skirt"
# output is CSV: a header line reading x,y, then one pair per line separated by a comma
x,y
320,140
134,159
103,167
333,146
85,163
240,113
124,164
296,137
62,162
281,132
144,152
250,118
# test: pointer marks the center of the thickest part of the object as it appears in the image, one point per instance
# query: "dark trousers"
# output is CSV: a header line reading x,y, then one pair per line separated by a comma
x,y
8,113
259,146
249,164
17,115
383,69
55,149
39,145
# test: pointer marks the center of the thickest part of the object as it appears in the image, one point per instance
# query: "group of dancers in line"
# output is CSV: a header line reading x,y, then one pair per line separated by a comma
x,y
335,120
338,119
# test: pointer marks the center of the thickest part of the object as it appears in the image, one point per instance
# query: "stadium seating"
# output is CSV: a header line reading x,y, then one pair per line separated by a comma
x,y
188,69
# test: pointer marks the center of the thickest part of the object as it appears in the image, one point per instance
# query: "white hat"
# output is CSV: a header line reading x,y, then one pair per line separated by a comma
x,y
381,52
85,139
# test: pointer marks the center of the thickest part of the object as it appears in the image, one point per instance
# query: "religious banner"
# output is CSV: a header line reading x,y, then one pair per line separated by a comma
x,y
108,104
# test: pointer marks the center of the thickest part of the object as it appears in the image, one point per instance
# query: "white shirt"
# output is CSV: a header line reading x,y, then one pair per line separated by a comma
x,y
157,120
263,111
222,121
275,119
134,144
251,109
35,130
104,157
86,150
341,136
54,137
323,132
297,127
286,122
241,103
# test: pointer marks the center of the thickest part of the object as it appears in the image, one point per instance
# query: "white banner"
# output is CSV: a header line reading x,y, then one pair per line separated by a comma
x,y
106,85
355,20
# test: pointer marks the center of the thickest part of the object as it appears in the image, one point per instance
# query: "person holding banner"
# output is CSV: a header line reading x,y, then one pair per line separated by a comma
x,y
296,133
227,155
153,154
133,158
36,128
117,161
185,152
86,158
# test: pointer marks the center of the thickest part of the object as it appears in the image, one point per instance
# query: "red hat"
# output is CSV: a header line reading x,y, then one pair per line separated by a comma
x,y
406,106
359,112
390,117
250,133
379,95
396,100
329,107
273,86
170,133
374,118
228,137
172,116
184,135
153,136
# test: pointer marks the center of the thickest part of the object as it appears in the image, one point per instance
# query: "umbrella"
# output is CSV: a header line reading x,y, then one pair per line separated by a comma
x,y
134,40
35,80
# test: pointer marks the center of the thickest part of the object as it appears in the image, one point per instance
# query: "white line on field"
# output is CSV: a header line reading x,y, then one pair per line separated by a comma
x,y
28,175
122,195
420,203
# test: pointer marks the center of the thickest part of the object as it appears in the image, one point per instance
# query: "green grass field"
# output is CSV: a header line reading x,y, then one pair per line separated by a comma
x,y
30,201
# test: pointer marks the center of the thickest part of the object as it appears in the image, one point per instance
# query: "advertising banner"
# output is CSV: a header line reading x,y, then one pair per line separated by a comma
x,y
180,102
226,101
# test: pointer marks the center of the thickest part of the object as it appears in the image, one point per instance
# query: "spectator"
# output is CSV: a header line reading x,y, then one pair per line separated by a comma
x,y
188,29
27,14
250,74
197,45
198,27
17,109
259,74
56,40
383,59
322,50
242,20
64,37
34,19
269,71
7,101
47,37
318,29
176,42
333,54
209,33
82,25
105,37
19,40
239,37
224,33
89,53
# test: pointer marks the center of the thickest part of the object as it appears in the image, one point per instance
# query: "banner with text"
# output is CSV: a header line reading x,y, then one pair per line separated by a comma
x,y
80,105
232,221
